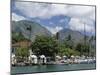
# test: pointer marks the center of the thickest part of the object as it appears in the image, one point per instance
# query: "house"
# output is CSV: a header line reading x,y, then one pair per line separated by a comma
x,y
21,44
33,59
43,59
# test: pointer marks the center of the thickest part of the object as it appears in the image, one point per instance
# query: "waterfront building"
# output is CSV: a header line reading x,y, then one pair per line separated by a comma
x,y
21,44
42,59
13,60
33,59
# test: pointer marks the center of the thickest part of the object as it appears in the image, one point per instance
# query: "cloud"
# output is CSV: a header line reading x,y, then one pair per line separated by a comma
x,y
45,10
54,30
78,14
33,10
81,24
16,17
81,11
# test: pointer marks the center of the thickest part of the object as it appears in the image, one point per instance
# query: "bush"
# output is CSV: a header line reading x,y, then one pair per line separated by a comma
x,y
22,53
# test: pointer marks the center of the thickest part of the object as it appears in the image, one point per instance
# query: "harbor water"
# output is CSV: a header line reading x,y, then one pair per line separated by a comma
x,y
51,68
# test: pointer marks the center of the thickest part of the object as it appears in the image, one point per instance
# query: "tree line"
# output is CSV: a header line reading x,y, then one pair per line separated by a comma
x,y
50,46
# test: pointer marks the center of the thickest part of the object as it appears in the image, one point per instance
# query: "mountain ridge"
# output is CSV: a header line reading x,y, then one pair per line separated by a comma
x,y
37,29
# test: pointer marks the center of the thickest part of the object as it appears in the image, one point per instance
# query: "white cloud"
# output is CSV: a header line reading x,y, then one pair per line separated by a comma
x,y
43,10
54,30
81,11
78,14
32,10
16,17
79,25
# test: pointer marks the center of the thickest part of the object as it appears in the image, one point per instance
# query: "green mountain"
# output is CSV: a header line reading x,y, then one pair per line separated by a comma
x,y
76,36
23,25
21,30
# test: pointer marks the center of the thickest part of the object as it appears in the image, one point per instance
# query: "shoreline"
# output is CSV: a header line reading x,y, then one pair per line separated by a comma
x,y
52,64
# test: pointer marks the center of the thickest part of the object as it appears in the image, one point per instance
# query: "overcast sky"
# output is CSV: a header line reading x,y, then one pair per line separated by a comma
x,y
56,17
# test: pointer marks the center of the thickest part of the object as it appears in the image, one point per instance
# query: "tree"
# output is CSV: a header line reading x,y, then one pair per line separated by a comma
x,y
17,36
69,37
45,45
92,46
82,48
73,52
79,47
22,53
68,42
67,51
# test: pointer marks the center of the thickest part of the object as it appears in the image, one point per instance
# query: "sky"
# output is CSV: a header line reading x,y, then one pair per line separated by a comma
x,y
56,17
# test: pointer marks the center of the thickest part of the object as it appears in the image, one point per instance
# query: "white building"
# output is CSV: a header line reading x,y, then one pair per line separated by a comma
x,y
58,58
33,59
43,59
13,59
64,57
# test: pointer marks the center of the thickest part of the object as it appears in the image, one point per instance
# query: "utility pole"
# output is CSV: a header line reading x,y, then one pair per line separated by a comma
x,y
84,36
57,35
84,39
30,30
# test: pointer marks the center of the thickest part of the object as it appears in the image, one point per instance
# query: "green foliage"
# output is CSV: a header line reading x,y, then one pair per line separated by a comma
x,y
45,45
49,46
69,37
67,51
79,47
83,48
68,42
73,52
16,37
22,53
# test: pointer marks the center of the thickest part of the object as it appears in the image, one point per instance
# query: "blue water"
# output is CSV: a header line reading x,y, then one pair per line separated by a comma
x,y
51,68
